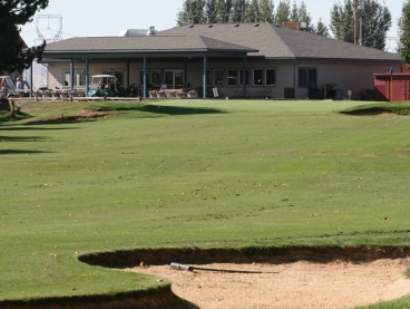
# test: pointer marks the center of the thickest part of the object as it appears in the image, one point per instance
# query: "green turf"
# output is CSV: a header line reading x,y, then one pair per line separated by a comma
x,y
192,173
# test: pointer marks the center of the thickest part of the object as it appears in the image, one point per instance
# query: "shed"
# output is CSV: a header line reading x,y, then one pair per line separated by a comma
x,y
391,87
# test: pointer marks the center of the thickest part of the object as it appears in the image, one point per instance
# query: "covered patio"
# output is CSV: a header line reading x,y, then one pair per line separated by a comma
x,y
156,50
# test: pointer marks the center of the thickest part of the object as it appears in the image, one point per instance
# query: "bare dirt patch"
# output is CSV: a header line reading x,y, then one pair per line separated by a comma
x,y
302,284
84,115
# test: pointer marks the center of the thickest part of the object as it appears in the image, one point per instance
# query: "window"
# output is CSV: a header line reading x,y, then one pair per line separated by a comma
x,y
218,77
241,77
232,76
79,77
307,77
258,77
118,73
209,77
155,78
174,78
270,77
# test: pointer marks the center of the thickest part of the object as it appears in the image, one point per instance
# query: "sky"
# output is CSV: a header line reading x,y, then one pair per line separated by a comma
x,y
82,18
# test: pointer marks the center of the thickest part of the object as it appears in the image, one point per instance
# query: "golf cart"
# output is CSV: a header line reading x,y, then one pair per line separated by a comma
x,y
103,86
7,88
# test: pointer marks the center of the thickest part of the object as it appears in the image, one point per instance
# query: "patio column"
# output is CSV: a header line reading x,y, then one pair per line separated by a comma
x,y
204,78
72,73
145,78
31,78
87,74
128,73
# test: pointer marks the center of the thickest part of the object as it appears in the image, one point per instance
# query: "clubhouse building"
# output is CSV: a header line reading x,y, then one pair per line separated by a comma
x,y
239,60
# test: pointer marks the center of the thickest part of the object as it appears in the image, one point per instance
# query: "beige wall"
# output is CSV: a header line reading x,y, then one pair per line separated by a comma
x,y
355,77
347,76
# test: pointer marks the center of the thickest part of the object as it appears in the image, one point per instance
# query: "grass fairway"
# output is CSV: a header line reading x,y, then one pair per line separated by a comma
x,y
192,173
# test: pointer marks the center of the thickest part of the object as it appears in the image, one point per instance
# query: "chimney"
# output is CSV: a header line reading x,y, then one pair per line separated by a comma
x,y
295,25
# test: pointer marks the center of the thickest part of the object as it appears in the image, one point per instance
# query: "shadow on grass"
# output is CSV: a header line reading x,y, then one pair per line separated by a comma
x,y
23,152
162,298
401,109
34,128
163,109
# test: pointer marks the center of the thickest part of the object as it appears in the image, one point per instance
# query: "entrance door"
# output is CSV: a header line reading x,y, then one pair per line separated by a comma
x,y
174,78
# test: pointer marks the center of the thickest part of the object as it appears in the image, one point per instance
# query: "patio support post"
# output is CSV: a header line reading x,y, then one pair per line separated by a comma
x,y
31,78
72,73
87,74
145,78
128,73
204,78
244,77
185,73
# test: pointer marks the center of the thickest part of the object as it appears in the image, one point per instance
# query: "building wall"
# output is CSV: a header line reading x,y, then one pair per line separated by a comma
x,y
346,76
356,77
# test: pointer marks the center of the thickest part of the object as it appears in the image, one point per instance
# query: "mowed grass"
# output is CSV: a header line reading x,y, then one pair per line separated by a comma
x,y
192,173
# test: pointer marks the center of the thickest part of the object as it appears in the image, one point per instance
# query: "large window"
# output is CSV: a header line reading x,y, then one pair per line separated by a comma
x,y
118,73
79,77
258,77
270,77
218,77
155,78
307,78
232,77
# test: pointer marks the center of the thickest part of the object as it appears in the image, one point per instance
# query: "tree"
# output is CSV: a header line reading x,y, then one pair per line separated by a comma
x,y
266,10
238,11
192,13
404,25
321,29
341,21
253,13
14,13
210,12
376,21
222,10
282,12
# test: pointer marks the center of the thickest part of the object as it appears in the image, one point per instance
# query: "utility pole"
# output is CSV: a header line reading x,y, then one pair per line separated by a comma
x,y
355,18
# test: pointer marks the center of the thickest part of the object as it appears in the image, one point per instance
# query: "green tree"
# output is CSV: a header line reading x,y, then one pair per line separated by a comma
x,y
376,21
238,11
294,15
304,16
282,12
210,11
404,25
341,21
192,13
253,12
266,10
14,13
222,10
322,29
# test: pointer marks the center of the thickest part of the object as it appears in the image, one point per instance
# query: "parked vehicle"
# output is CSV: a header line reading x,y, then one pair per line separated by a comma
x,y
103,86
7,87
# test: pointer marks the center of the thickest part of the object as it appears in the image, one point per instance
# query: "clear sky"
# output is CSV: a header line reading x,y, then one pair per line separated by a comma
x,y
109,17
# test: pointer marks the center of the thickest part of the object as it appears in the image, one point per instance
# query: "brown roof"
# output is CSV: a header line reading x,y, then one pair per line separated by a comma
x,y
229,40
278,42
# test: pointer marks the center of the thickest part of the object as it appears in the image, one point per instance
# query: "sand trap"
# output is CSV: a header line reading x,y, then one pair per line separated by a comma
x,y
298,285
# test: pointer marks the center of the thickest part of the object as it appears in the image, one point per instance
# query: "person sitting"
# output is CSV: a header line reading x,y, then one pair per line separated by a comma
x,y
19,84
164,85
